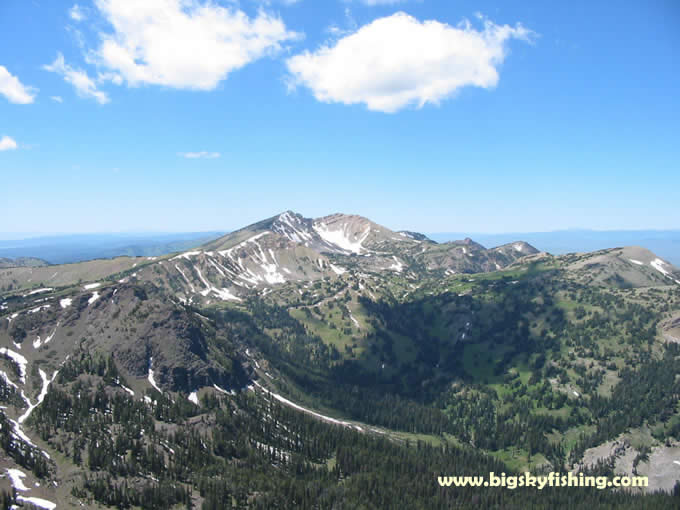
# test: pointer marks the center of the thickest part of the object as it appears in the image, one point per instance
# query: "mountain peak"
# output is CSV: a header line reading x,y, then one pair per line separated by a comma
x,y
293,226
520,247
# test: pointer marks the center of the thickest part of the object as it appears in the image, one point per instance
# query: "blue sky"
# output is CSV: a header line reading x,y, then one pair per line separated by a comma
x,y
422,115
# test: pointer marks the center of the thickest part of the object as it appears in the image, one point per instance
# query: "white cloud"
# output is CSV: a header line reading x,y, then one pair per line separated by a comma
x,y
57,99
13,90
284,2
373,3
186,44
76,13
7,144
84,85
397,61
199,155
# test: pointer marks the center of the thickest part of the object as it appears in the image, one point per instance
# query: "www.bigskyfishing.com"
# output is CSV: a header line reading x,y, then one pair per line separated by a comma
x,y
541,481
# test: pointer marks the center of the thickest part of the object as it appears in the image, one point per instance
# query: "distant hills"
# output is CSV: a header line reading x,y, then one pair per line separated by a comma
x,y
665,243
69,248
22,262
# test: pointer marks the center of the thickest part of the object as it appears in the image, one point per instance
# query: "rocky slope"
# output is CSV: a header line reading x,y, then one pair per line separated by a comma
x,y
291,248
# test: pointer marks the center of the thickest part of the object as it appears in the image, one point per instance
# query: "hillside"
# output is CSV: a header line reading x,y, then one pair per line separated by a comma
x,y
21,262
149,379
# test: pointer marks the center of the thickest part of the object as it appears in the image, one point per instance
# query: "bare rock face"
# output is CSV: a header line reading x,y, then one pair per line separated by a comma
x,y
135,323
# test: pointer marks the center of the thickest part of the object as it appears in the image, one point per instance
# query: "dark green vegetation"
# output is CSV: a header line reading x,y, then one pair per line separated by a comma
x,y
522,364
249,451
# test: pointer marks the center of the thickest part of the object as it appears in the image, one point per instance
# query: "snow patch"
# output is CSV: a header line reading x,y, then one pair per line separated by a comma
x,y
37,342
8,380
225,294
66,302
18,433
185,278
287,402
637,262
186,255
356,322
658,265
298,233
193,397
47,340
43,392
228,252
42,503
338,270
38,291
271,275
94,298
16,476
342,238
152,381
90,286
18,359
221,390
398,266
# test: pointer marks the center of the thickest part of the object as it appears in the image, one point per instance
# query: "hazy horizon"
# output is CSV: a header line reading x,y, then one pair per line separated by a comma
x,y
19,236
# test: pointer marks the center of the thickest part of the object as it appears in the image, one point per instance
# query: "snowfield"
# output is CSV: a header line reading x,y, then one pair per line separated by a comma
x,y
341,238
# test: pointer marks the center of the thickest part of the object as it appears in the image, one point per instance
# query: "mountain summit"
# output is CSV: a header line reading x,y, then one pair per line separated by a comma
x,y
289,247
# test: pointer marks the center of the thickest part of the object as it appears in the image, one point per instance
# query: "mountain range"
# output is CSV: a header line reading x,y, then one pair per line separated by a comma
x,y
523,358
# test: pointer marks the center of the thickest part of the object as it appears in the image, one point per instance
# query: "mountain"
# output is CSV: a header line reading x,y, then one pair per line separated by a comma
x,y
297,359
665,243
632,266
291,248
